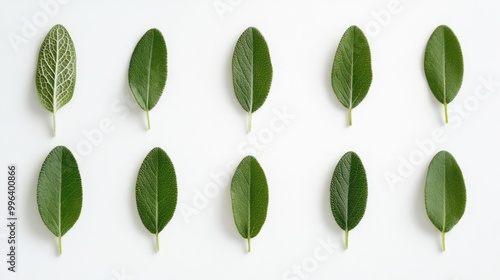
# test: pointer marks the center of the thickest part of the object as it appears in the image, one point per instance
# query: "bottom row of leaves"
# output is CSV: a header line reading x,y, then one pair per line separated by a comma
x,y
59,193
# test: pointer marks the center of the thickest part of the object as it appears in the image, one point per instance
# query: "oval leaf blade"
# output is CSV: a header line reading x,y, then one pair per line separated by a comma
x,y
147,73
348,193
249,197
156,192
352,69
59,192
252,71
445,195
444,65
56,70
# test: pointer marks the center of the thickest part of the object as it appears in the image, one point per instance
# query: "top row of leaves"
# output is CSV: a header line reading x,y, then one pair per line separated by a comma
x,y
252,69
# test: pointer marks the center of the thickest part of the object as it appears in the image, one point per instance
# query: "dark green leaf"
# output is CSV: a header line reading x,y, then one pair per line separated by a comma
x,y
156,192
445,194
348,193
56,70
59,192
147,73
444,65
352,69
250,197
252,71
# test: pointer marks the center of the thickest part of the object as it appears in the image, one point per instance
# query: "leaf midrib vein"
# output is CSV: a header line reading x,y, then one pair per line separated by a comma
x,y
56,75
149,71
444,197
444,67
156,191
249,201
352,71
251,71
60,193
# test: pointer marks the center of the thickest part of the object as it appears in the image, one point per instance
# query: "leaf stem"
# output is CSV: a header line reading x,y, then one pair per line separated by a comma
x,y
249,247
446,112
443,243
149,124
54,122
157,243
59,244
249,121
350,116
346,238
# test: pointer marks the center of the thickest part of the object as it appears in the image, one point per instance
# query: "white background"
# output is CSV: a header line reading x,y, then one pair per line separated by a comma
x,y
202,127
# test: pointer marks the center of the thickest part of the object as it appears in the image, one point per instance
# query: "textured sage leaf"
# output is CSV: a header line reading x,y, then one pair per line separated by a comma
x,y
249,197
252,71
59,192
147,73
352,69
445,194
56,70
348,193
156,192
444,66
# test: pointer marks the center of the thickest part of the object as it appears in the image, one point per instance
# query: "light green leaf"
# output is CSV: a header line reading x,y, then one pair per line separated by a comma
x,y
147,73
444,65
249,197
352,69
156,192
348,193
252,71
56,70
445,195
59,192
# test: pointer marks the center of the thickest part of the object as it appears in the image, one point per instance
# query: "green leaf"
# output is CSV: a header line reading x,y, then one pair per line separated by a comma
x,y
348,193
249,197
352,69
56,70
444,65
59,192
147,73
252,71
156,192
445,194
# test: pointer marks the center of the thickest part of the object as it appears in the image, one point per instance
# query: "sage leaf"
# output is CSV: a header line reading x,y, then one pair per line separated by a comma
x,y
147,73
445,194
348,193
59,192
56,71
156,192
250,198
444,65
352,69
252,71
